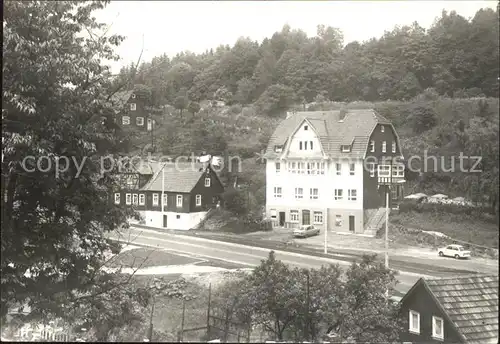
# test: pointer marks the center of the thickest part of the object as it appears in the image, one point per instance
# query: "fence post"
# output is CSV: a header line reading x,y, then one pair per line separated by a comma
x,y
182,319
208,310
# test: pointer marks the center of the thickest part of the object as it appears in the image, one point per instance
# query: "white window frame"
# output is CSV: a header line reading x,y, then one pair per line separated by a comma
x,y
292,167
125,120
338,220
299,195
278,167
434,327
352,194
372,146
371,169
273,213
305,145
384,146
128,199
411,326
398,170
321,168
133,106
338,194
352,169
382,129
117,198
294,216
306,127
394,146
384,171
178,201
318,217
207,182
338,169
300,145
142,199
278,192
135,199
139,121
198,200
165,199
313,194
301,168
345,148
156,200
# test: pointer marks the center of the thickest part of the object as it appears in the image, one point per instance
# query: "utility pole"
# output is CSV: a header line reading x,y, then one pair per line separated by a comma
x,y
326,239
308,322
387,191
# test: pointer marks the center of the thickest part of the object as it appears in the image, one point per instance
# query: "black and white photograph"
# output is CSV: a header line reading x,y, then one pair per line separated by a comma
x,y
250,171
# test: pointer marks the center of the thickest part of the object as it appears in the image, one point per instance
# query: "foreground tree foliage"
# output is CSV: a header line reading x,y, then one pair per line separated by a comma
x,y
300,304
56,94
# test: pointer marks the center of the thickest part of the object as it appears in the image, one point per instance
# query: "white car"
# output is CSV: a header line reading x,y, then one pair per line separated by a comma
x,y
305,231
456,251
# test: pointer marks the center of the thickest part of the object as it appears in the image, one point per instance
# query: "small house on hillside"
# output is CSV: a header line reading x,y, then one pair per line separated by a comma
x,y
452,310
132,111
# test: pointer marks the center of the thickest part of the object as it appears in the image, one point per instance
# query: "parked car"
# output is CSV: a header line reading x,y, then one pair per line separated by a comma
x,y
305,231
456,251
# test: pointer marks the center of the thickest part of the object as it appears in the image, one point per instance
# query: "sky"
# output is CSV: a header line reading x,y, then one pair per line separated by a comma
x,y
174,26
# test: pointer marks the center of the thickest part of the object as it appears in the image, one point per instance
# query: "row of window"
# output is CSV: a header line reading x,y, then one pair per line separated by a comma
x,y
437,325
317,217
318,168
352,194
384,146
312,168
140,199
138,120
303,145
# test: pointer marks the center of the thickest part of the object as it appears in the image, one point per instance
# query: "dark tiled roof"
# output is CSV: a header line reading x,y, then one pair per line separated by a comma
x,y
471,303
119,99
179,177
355,128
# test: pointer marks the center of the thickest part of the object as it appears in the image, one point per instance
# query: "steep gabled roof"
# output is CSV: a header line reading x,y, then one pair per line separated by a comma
x,y
470,303
119,99
179,177
355,128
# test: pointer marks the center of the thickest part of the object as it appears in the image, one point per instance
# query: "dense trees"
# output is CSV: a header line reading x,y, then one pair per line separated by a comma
x,y
455,56
306,304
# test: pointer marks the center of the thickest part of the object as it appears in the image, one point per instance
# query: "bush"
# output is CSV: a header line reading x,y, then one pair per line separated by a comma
x,y
235,109
422,118
408,206
235,201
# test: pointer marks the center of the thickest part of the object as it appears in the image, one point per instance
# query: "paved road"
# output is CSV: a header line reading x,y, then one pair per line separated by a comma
x,y
248,256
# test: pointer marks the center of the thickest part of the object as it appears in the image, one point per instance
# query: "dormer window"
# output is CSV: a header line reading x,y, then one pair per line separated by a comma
x,y
382,129
346,148
278,149
306,127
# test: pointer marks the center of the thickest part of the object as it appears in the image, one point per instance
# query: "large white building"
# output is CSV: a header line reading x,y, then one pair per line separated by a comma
x,y
332,169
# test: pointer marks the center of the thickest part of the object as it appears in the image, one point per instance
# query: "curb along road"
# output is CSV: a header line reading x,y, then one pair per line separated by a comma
x,y
401,265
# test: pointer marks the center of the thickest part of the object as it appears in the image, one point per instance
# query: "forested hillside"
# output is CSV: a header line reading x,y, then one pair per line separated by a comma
x,y
457,57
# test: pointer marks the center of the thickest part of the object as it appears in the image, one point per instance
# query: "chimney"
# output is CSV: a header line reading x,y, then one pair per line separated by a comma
x,y
290,113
